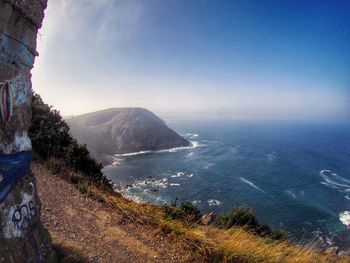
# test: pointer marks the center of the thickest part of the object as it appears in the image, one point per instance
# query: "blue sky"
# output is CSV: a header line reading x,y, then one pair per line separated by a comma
x,y
234,59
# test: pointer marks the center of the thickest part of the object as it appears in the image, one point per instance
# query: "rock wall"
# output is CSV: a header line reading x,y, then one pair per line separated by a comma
x,y
22,236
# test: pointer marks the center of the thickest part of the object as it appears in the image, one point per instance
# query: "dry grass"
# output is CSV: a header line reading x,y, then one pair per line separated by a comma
x,y
210,244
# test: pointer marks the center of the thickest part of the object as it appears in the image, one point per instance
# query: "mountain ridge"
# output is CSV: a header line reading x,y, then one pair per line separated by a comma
x,y
123,130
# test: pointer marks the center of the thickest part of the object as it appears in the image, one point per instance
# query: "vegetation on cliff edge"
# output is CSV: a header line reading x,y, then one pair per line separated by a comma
x,y
50,137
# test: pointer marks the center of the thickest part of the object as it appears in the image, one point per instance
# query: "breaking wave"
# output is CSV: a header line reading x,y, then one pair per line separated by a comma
x,y
291,194
191,135
181,174
344,217
143,191
251,184
214,202
194,144
334,181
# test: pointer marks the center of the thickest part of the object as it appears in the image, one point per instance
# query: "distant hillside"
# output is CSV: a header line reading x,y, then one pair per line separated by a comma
x,y
123,130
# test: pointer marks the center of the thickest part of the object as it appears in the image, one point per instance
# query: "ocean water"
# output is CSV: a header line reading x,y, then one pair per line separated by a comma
x,y
295,176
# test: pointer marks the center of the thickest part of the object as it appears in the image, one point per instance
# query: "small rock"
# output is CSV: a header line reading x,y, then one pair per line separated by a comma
x,y
332,251
208,219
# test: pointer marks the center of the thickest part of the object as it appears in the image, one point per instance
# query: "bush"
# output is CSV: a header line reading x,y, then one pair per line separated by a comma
x,y
187,212
49,133
239,216
76,178
50,137
244,216
83,188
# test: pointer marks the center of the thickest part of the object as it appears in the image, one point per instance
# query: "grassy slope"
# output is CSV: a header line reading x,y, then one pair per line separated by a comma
x,y
209,244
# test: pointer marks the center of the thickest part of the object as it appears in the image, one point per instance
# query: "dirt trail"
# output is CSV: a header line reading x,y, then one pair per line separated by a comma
x,y
95,229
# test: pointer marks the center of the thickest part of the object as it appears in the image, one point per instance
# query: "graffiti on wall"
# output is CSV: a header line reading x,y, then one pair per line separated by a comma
x,y
23,214
20,143
6,102
12,167
18,217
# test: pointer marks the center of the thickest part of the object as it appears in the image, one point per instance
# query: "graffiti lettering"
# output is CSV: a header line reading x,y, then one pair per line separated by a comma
x,y
23,214
19,216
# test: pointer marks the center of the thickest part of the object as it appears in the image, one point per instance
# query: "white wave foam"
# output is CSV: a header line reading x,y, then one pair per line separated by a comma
x,y
213,202
114,161
335,181
291,194
195,202
132,154
117,161
181,174
271,156
190,154
194,144
344,217
142,191
174,184
251,184
141,184
191,135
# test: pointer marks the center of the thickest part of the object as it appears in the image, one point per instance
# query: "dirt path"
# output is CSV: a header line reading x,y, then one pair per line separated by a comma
x,y
95,229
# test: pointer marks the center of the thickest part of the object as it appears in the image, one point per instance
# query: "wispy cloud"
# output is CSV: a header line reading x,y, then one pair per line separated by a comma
x,y
178,58
89,23
79,39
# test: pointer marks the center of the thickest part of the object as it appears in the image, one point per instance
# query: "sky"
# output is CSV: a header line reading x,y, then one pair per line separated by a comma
x,y
218,59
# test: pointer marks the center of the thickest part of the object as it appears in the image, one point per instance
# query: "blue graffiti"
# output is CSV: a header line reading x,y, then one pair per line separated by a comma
x,y
23,214
12,167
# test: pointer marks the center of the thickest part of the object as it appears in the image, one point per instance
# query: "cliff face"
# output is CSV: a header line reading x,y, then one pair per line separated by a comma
x,y
123,130
22,235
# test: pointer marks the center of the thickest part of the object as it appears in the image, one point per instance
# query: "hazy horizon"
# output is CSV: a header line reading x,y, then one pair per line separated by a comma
x,y
226,59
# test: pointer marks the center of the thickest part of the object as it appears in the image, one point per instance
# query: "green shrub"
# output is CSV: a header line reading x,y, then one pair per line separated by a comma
x,y
76,178
186,212
244,216
83,188
240,216
50,137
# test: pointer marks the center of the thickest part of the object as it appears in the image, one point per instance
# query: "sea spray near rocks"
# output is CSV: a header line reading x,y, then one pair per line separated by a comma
x,y
344,217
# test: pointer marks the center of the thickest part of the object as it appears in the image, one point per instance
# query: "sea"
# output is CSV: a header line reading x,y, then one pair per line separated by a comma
x,y
296,176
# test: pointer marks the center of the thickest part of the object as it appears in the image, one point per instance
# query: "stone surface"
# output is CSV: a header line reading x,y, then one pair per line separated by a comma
x,y
208,219
22,236
31,9
332,251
